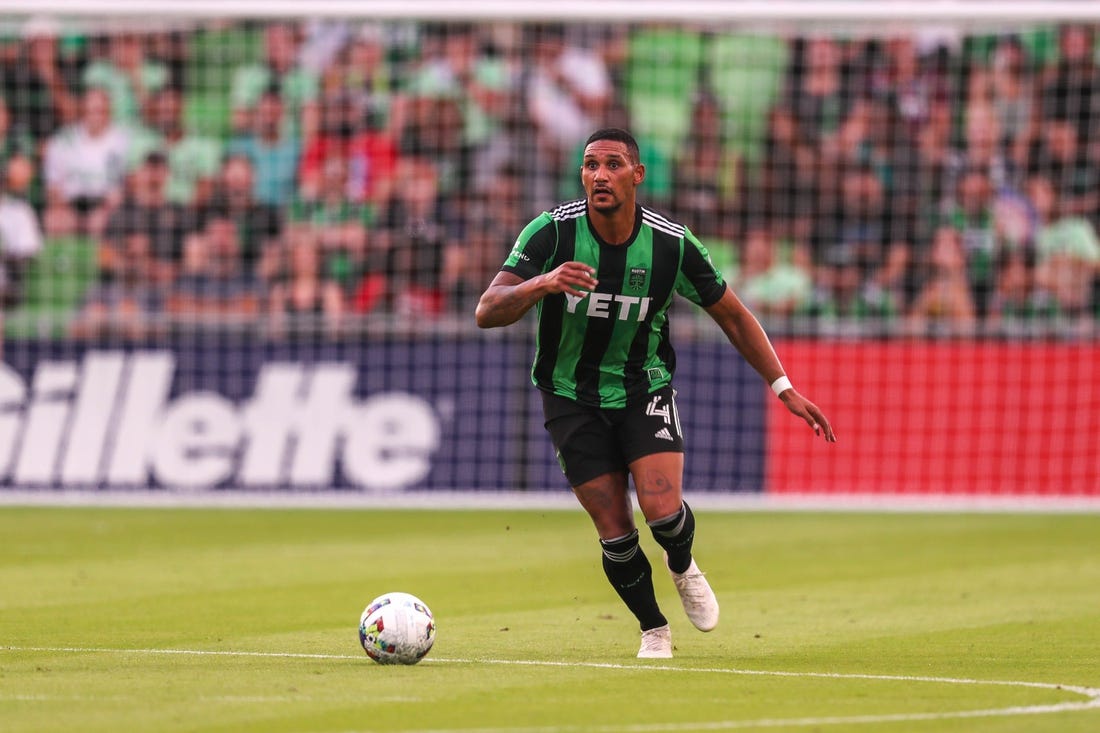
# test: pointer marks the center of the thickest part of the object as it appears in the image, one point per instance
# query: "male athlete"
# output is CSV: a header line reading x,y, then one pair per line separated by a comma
x,y
602,271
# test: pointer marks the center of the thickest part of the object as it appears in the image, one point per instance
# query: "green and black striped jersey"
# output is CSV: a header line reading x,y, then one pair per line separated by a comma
x,y
611,347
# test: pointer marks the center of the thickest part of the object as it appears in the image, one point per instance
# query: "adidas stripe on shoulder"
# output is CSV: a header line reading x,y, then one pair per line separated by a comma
x,y
660,223
569,210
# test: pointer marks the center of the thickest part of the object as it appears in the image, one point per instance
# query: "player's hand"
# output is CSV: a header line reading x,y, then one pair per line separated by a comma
x,y
574,278
809,412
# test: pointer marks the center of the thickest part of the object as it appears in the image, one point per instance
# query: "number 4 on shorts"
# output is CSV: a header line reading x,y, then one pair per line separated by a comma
x,y
652,409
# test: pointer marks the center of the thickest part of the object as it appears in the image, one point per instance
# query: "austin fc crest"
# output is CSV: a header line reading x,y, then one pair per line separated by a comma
x,y
635,280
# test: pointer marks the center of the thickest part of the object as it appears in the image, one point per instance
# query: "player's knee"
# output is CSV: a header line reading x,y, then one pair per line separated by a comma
x,y
606,500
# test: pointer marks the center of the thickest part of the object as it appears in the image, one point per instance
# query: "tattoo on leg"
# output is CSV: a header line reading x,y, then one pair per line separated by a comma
x,y
656,483
608,504
596,496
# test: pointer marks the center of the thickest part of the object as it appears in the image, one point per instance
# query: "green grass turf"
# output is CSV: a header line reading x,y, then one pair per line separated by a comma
x,y
980,597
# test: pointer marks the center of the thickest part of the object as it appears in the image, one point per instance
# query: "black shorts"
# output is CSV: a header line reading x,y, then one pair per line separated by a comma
x,y
592,441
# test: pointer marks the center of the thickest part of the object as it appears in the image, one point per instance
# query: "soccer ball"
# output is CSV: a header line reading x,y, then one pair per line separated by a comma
x,y
397,628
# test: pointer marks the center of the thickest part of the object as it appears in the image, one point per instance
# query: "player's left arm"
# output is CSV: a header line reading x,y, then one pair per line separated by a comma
x,y
750,340
701,282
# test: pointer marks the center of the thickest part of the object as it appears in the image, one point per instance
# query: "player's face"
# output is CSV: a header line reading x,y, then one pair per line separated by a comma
x,y
609,175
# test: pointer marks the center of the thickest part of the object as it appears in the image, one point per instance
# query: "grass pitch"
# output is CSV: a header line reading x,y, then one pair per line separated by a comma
x,y
245,620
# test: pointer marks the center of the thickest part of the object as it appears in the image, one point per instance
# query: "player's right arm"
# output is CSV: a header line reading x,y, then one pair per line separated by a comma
x,y
509,296
526,277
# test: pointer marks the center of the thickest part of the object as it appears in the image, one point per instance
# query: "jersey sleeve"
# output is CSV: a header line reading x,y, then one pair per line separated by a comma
x,y
533,249
699,280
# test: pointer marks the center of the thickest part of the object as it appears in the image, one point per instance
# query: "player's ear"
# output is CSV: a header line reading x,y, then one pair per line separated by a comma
x,y
639,173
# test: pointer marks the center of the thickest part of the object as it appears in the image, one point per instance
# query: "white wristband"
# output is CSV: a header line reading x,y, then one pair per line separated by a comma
x,y
781,385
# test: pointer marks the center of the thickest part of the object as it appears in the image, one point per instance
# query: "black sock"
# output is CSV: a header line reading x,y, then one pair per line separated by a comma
x,y
631,576
676,534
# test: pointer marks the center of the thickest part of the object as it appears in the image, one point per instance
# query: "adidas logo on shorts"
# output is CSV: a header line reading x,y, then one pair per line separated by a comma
x,y
663,434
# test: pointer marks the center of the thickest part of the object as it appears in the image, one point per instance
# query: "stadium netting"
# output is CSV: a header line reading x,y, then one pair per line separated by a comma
x,y
241,252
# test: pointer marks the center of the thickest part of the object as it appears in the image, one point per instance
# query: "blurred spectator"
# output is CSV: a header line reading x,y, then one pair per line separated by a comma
x,y
20,231
944,301
1016,300
415,230
321,43
707,174
361,116
1067,251
34,83
458,68
372,162
877,139
304,298
1012,91
362,71
1070,88
909,84
169,48
920,193
127,305
336,226
491,216
568,90
821,99
215,287
771,287
859,269
273,152
370,154
511,142
817,94
139,256
13,142
193,161
146,212
1059,156
128,76
84,167
611,41
972,215
258,226
432,131
981,149
279,69
923,194
787,192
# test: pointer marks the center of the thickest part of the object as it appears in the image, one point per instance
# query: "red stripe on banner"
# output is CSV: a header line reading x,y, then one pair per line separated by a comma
x,y
941,418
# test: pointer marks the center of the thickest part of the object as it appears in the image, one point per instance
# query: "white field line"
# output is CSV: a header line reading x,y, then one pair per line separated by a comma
x,y
1091,694
777,722
544,500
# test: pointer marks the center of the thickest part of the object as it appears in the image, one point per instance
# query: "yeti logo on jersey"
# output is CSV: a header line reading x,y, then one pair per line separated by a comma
x,y
603,305
635,279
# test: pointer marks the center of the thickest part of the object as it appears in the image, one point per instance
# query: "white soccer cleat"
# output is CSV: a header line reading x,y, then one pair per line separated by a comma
x,y
700,604
656,643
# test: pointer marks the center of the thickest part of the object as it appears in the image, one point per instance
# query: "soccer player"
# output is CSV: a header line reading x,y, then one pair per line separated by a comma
x,y
602,271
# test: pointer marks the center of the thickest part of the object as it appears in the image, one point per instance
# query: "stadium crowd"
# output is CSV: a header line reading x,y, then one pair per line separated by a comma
x,y
921,183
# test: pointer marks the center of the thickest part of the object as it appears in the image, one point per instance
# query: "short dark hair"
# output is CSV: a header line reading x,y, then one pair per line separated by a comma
x,y
616,134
